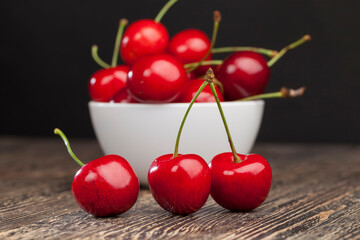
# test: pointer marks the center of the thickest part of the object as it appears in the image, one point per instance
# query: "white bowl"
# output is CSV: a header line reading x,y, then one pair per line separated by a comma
x,y
142,132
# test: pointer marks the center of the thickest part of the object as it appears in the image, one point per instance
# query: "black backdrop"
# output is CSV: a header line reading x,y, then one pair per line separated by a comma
x,y
45,60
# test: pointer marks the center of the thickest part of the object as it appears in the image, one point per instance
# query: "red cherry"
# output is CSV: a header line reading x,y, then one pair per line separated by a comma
x,y
106,186
244,74
190,89
180,185
104,83
156,78
123,96
141,38
189,45
240,186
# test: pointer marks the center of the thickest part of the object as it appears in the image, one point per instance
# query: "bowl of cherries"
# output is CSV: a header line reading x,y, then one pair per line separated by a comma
x,y
137,107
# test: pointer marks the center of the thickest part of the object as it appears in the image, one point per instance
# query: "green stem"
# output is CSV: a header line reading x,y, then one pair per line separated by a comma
x,y
287,48
176,150
97,59
122,24
203,63
165,8
67,144
263,96
283,93
267,52
217,19
236,157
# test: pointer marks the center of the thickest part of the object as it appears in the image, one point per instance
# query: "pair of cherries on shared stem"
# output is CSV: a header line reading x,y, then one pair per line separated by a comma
x,y
181,184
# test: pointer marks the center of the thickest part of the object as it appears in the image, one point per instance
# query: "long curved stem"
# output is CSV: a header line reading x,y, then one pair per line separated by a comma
x,y
283,93
97,59
217,19
267,52
176,150
123,22
67,144
210,77
287,48
165,8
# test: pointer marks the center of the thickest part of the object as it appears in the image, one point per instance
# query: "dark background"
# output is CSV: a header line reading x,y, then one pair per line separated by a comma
x,y
45,60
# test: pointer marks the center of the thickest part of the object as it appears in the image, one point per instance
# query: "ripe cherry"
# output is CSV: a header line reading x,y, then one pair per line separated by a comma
x,y
123,96
240,186
190,89
104,83
190,45
238,182
145,37
244,74
156,78
106,186
180,184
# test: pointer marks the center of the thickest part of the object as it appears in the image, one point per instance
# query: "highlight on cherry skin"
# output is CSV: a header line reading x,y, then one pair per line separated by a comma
x,y
104,187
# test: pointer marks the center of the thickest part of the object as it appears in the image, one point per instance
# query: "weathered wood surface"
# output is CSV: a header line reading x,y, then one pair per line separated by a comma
x,y
315,195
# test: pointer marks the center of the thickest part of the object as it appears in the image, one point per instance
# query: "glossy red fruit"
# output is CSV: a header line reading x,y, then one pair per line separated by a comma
x,y
106,186
123,96
190,45
156,78
240,186
244,74
190,89
180,185
105,83
141,38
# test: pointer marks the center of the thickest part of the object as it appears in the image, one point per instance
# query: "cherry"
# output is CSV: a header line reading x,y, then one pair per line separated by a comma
x,y
156,78
247,73
180,184
145,37
123,96
238,182
190,89
240,186
106,186
190,45
104,83
244,74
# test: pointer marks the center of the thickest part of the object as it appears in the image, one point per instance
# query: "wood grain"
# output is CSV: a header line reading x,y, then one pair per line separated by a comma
x,y
315,195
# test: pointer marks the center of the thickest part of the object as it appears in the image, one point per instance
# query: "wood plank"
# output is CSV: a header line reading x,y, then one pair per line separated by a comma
x,y
315,195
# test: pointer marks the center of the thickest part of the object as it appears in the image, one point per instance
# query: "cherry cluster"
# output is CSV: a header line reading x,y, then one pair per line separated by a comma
x,y
159,69
180,183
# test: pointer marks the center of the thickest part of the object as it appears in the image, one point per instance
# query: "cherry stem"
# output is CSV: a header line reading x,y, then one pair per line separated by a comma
x,y
267,52
293,45
165,8
210,77
176,151
283,93
203,63
217,19
97,59
67,144
123,22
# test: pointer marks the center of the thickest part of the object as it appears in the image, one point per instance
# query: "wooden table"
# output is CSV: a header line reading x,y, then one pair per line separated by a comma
x,y
315,195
